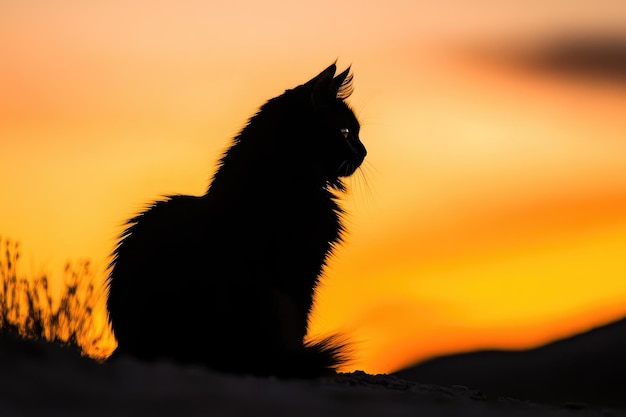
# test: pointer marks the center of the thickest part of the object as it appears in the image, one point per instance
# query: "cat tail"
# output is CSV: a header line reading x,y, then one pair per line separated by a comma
x,y
320,357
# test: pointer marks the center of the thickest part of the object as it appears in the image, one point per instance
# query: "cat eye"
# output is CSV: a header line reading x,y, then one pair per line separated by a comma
x,y
345,132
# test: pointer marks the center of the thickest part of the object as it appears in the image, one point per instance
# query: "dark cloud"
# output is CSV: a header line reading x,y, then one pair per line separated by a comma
x,y
603,58
582,57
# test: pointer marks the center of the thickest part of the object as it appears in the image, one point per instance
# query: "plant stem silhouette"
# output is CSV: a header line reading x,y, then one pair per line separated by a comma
x,y
28,309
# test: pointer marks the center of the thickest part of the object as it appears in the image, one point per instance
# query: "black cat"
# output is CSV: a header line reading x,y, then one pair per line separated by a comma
x,y
227,279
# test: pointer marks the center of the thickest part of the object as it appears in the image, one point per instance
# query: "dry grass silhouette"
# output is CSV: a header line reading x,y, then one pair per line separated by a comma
x,y
76,319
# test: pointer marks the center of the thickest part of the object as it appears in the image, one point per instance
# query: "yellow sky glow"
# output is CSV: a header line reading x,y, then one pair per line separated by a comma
x,y
491,211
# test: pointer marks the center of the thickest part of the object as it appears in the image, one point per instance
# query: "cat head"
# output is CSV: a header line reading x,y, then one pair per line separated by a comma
x,y
315,133
342,149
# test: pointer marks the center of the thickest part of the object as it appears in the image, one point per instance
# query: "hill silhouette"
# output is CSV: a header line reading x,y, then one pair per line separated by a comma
x,y
589,367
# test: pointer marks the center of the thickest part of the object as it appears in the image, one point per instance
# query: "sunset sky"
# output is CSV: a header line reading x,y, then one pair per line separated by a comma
x,y
490,212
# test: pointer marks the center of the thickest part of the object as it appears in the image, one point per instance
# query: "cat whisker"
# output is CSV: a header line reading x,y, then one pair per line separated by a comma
x,y
362,185
366,189
341,168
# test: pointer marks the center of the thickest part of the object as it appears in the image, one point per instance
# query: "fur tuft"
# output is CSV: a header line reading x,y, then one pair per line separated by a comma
x,y
333,351
317,358
346,88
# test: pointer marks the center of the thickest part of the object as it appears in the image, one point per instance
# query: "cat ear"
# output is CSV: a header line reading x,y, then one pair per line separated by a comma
x,y
341,85
322,86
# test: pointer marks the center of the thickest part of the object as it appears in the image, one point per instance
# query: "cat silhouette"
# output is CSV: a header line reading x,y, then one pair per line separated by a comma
x,y
227,279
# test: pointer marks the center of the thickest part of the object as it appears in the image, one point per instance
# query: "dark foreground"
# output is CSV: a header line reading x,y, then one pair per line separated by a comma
x,y
39,379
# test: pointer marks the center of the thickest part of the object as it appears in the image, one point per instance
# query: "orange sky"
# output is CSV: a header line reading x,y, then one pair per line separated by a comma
x,y
491,210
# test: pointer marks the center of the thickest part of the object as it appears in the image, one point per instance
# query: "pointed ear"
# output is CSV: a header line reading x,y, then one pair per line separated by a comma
x,y
322,86
341,86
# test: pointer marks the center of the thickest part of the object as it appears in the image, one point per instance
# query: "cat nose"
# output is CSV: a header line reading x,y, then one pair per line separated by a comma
x,y
357,148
